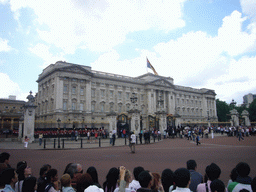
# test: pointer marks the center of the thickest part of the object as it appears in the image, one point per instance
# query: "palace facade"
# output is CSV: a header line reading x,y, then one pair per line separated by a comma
x,y
75,96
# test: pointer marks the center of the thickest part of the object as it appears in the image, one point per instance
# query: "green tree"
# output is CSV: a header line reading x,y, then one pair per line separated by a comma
x,y
222,111
252,111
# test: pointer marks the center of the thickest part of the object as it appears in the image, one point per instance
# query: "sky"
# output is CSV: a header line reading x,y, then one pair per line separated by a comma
x,y
199,43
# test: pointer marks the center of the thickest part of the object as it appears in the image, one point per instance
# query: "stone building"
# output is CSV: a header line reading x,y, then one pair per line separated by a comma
x,y
80,97
248,99
11,110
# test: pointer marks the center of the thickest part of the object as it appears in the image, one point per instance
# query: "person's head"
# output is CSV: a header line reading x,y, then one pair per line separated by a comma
x,y
182,177
29,184
5,157
83,181
75,170
243,169
3,166
156,178
217,186
65,180
191,164
21,163
137,171
9,176
93,172
145,179
233,174
167,179
67,167
52,175
213,171
127,177
43,171
23,171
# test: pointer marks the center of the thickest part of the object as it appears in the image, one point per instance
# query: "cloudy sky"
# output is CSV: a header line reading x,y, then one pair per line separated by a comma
x,y
199,43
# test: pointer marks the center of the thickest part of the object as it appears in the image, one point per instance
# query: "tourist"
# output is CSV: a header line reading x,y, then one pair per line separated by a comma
x,y
182,179
196,178
111,180
167,179
29,184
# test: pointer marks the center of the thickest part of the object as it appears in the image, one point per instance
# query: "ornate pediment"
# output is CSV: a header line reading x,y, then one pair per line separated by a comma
x,y
210,92
75,69
162,83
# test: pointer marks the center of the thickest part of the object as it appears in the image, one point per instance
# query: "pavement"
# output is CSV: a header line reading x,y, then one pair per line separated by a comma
x,y
51,143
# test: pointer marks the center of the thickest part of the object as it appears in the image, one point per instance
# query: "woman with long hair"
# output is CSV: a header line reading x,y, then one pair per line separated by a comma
x,y
111,180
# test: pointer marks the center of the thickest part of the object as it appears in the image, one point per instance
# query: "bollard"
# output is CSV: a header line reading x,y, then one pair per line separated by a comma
x,y
62,143
99,142
54,143
81,143
44,143
125,141
136,140
154,138
58,143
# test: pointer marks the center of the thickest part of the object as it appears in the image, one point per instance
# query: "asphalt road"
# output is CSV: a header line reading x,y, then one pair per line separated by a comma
x,y
169,153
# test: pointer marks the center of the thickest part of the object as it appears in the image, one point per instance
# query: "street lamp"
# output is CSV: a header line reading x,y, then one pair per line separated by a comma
x,y
58,121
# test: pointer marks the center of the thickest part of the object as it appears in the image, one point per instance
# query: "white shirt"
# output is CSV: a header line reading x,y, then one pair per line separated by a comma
x,y
134,185
133,137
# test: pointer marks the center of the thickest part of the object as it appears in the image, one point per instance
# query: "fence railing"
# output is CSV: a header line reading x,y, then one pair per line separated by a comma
x,y
83,142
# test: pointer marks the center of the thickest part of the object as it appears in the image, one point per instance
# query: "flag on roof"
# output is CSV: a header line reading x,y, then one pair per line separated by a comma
x,y
151,67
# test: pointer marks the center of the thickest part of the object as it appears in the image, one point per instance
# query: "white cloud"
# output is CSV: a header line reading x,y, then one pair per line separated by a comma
x,y
4,47
197,59
248,8
100,25
42,51
8,87
233,40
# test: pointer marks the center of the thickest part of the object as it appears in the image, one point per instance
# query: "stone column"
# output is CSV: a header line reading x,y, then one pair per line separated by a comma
x,y
162,121
29,118
135,120
112,121
234,118
245,115
21,127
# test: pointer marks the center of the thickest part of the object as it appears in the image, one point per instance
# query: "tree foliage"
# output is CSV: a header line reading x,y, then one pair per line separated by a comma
x,y
252,111
222,111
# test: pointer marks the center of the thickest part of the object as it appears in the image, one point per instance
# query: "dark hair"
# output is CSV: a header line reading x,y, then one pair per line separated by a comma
x,y
233,174
243,169
20,172
191,164
217,185
29,184
167,179
111,180
213,171
4,156
137,171
144,179
51,173
67,167
7,175
43,170
84,181
182,177
93,172
21,163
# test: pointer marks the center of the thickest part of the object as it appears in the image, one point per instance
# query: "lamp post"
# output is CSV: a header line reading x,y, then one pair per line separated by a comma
x,y
58,121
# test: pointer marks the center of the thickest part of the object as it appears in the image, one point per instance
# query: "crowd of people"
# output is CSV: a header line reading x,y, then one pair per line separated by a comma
x,y
119,179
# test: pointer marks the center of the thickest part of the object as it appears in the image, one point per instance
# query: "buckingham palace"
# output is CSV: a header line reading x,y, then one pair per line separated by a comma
x,y
75,96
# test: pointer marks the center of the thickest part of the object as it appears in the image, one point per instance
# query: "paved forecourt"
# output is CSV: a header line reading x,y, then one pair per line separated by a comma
x,y
169,153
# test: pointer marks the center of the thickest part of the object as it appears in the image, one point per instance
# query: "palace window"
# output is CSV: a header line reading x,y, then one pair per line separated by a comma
x,y
73,105
64,105
81,106
82,91
93,107
65,89
93,92
111,93
74,90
